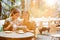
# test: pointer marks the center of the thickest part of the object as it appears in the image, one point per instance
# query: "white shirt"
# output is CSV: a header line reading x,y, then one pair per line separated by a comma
x,y
15,22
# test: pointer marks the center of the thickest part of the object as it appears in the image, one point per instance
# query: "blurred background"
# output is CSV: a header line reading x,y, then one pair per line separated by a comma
x,y
36,8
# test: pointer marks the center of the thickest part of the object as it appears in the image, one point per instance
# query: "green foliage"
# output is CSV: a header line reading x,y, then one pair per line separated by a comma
x,y
7,8
0,0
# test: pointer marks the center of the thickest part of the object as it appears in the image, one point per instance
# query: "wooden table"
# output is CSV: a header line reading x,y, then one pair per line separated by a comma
x,y
15,36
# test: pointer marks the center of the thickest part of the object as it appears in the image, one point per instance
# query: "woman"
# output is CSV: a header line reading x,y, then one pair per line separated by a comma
x,y
30,25
13,19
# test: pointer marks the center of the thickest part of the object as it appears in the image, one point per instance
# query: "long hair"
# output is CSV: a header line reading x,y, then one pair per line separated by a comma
x,y
25,13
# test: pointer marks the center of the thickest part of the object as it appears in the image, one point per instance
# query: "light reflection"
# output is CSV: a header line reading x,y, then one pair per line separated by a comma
x,y
50,2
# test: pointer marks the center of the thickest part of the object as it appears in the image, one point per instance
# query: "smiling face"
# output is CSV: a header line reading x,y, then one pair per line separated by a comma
x,y
15,14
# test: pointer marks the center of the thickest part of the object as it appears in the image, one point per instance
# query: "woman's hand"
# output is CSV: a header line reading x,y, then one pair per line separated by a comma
x,y
7,27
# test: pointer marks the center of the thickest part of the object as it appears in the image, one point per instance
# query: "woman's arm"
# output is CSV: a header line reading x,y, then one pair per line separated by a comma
x,y
7,25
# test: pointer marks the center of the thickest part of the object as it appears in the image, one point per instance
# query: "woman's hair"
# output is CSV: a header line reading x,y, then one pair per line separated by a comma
x,y
14,11
26,13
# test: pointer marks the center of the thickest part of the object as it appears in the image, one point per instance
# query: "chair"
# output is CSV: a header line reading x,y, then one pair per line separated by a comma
x,y
52,26
44,27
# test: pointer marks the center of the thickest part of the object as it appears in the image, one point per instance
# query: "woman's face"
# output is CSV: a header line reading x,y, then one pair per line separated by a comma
x,y
15,16
25,16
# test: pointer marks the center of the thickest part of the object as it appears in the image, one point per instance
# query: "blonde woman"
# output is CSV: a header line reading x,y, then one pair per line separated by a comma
x,y
30,24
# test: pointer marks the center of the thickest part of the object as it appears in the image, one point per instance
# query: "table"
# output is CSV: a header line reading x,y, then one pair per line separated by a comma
x,y
15,36
56,36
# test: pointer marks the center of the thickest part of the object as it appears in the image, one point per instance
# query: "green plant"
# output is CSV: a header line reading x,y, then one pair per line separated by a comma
x,y
6,8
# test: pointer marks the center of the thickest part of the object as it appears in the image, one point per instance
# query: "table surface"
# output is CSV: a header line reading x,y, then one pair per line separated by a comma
x,y
15,35
55,35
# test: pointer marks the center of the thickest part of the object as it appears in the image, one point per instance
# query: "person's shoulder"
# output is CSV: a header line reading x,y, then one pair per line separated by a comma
x,y
19,19
8,19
